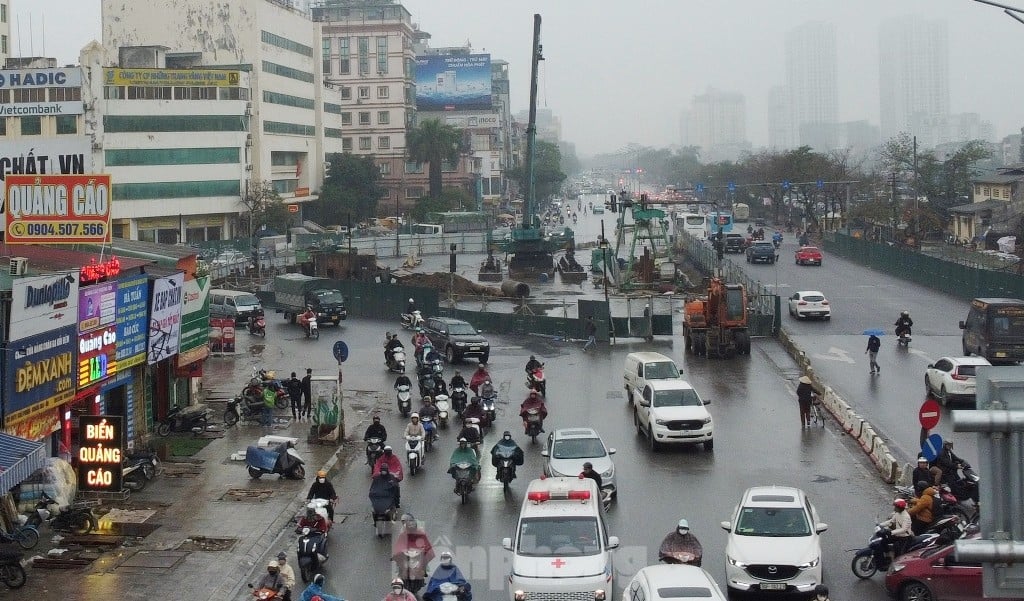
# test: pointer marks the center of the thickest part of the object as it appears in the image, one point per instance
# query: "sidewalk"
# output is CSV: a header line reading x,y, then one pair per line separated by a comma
x,y
195,500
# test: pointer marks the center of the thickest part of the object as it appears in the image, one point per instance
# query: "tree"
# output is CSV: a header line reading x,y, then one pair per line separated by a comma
x,y
352,187
449,199
435,143
263,208
547,171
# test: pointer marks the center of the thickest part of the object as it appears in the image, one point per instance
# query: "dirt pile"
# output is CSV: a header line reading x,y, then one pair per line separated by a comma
x,y
441,281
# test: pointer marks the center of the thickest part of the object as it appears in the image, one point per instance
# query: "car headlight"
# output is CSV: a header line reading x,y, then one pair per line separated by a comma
x,y
460,344
608,473
810,564
660,422
738,564
707,420
896,567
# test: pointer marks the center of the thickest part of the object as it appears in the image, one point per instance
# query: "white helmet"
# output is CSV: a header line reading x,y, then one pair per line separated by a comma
x,y
414,416
683,527
411,300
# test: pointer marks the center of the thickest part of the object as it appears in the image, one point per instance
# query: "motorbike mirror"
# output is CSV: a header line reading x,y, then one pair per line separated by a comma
x,y
611,451
707,401
613,542
962,326
506,543
544,453
820,527
727,526
249,585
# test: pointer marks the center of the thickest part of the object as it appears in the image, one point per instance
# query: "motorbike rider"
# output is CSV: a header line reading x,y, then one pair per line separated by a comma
x,y
533,364
323,489
273,580
439,386
899,524
681,539
470,431
457,380
479,377
316,589
533,401
904,323
464,454
314,521
418,340
415,428
376,430
487,390
448,572
287,572
398,592
588,472
821,593
305,317
394,466
403,380
508,448
428,410
923,507
385,474
391,343
411,307
924,471
475,410
948,464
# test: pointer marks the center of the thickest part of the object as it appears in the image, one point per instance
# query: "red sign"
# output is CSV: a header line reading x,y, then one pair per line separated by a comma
x,y
301,192
293,208
222,335
929,414
58,209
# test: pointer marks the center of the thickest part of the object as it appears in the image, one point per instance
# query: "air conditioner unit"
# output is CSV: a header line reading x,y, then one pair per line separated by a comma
x,y
19,265
248,167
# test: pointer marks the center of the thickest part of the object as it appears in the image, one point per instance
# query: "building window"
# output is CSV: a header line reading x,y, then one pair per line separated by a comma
x,y
364,55
414,192
346,144
147,93
985,191
332,132
291,129
364,142
286,44
276,69
413,167
346,119
5,96
148,124
286,100
31,126
234,93
345,64
195,93
332,108
285,186
30,95
383,92
382,54
65,94
3,16
384,142
67,124
179,189
177,156
383,118
3,126
3,44
327,55
364,92
346,93
364,118
385,168
285,159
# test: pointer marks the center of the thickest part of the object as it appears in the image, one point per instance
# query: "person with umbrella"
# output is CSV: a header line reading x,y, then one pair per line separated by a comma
x,y
874,344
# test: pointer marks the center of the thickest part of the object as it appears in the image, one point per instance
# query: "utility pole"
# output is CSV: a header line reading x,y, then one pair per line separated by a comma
x,y
917,214
895,207
531,127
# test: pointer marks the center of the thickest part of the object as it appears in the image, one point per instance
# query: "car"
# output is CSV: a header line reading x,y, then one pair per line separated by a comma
x,y
672,583
761,251
569,448
808,255
671,412
734,243
773,544
456,339
760,222
642,367
934,574
952,378
809,303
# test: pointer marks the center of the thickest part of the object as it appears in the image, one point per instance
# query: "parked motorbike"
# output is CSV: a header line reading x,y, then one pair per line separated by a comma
x,y
184,419
242,408
414,453
463,474
374,449
411,321
257,324
76,518
534,424
24,536
459,399
396,360
139,469
442,405
263,379
283,460
312,329
12,574
311,548
535,381
404,400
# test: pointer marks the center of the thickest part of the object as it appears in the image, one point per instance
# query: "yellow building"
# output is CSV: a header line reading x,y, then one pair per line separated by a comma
x,y
995,202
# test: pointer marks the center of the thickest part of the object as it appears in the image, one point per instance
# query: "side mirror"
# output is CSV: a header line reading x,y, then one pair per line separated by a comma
x,y
680,371
727,526
820,527
611,451
706,401
962,325
544,453
940,562
613,542
644,402
930,366
506,543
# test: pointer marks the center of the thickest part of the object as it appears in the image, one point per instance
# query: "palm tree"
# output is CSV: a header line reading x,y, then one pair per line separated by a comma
x,y
433,142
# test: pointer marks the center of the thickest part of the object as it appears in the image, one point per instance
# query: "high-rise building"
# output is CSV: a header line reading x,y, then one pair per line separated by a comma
x,y
5,30
718,125
914,79
812,82
781,134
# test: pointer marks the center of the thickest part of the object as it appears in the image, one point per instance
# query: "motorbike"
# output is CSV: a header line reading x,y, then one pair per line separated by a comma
x,y
262,380
534,424
404,400
426,383
428,427
879,554
490,413
450,591
257,324
383,503
283,460
411,321
374,449
535,381
76,518
441,403
506,467
138,470
463,474
184,419
459,398
311,548
413,453
12,574
242,408
396,360
903,338
412,568
677,550
312,329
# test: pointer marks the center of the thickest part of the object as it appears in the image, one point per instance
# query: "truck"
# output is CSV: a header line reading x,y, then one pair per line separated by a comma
x,y
741,212
293,292
716,325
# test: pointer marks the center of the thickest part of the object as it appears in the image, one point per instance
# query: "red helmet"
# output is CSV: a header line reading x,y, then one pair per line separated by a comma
x,y
899,503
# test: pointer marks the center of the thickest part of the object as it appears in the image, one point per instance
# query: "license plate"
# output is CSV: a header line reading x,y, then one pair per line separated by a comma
x,y
474,348
336,319
773,586
1000,354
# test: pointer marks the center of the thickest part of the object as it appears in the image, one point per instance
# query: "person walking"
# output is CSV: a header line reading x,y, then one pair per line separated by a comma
x,y
805,396
874,343
307,394
590,328
294,387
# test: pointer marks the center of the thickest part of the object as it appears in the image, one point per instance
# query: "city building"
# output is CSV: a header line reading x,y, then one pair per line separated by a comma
x,y
1010,149
781,134
859,137
964,127
718,125
996,204
812,83
5,30
914,79
549,126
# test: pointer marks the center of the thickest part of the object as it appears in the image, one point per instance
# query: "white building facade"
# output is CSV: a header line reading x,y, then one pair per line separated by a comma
x,y
812,81
5,30
718,125
914,79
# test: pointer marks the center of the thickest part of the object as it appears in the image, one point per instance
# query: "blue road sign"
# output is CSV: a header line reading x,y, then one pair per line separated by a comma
x,y
340,351
931,447
785,184
732,187
699,188
821,184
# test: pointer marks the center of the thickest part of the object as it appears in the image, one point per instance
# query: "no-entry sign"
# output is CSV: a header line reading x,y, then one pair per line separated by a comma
x,y
929,414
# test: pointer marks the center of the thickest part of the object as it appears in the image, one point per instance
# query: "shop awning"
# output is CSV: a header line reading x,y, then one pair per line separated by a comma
x,y
19,458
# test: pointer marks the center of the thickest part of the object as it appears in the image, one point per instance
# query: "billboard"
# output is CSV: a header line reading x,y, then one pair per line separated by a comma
x,y
57,209
20,79
97,333
41,372
99,456
470,121
44,303
171,77
132,325
165,317
453,83
65,155
195,321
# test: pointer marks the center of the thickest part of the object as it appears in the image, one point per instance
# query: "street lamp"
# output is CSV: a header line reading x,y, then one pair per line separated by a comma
x,y
603,245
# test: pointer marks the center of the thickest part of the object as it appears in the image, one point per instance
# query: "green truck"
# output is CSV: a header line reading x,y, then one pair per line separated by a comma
x,y
293,292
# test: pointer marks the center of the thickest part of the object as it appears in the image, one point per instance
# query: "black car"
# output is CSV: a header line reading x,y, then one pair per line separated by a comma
x,y
761,251
456,339
734,243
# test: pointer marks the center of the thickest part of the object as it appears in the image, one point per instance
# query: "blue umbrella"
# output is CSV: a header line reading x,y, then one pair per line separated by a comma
x,y
874,332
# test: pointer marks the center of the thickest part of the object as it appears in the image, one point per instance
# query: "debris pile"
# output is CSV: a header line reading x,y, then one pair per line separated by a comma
x,y
441,281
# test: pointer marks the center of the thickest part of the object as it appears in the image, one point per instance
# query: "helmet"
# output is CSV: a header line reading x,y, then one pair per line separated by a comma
x,y
683,527
310,512
411,300
905,313
463,441
899,503
273,564
388,450
506,435
397,584
821,589
376,418
446,558
321,474
533,358
488,382
922,459
318,580
920,486
414,416
282,555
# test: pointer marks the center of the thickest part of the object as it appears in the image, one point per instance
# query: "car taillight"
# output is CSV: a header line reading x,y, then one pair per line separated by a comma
x,y
802,303
956,375
824,302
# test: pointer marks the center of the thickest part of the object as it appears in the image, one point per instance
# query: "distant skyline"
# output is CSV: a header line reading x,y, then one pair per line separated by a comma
x,y
623,73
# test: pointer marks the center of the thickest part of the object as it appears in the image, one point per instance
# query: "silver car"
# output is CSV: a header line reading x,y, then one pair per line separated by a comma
x,y
569,448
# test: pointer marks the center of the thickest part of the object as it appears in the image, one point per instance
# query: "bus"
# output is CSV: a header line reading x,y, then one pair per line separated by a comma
x,y
741,212
718,220
690,223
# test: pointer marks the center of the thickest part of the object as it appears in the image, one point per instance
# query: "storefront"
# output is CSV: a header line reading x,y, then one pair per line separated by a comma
x,y
195,333
164,339
121,393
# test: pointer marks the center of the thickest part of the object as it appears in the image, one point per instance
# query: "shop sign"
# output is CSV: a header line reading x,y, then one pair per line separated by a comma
x,y
36,427
97,307
42,373
66,77
97,356
57,209
99,457
222,335
165,317
132,327
44,303
203,78
195,319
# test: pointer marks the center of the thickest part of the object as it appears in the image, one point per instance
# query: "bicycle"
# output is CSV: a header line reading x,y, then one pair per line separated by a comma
x,y
27,537
817,417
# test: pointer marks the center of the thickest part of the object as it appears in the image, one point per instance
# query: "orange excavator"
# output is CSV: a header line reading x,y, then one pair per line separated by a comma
x,y
716,325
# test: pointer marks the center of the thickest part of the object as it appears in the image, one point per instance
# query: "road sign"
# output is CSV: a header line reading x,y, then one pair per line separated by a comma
x,y
931,447
785,184
340,351
732,187
699,188
929,414
821,184
293,208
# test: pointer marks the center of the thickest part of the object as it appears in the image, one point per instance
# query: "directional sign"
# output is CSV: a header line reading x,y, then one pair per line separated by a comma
x,y
821,184
340,351
931,447
699,188
929,414
785,184
732,187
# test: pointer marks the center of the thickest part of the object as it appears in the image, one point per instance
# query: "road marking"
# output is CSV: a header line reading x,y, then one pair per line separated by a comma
x,y
837,354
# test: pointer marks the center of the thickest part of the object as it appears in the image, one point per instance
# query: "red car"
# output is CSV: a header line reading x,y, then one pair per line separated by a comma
x,y
934,574
808,255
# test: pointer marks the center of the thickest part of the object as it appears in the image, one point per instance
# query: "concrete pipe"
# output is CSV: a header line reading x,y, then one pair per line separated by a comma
x,y
515,289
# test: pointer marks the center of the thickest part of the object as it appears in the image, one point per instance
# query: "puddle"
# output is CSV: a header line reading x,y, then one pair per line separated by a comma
x,y
202,543
250,495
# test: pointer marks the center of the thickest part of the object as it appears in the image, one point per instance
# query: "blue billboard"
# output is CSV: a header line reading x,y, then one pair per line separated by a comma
x,y
132,324
453,83
40,372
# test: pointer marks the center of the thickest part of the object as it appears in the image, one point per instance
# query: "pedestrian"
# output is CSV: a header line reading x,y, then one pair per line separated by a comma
x,y
874,343
307,394
269,402
805,396
648,326
590,328
294,387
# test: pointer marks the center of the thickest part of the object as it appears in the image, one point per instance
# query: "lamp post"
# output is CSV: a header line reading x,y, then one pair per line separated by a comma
x,y
604,268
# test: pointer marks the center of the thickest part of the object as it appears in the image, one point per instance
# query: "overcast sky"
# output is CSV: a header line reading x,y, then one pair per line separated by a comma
x,y
619,71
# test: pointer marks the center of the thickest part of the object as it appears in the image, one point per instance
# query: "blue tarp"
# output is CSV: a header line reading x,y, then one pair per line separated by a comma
x,y
19,458
263,459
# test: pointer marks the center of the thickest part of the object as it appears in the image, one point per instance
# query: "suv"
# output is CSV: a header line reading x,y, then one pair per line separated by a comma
x,y
734,243
761,251
671,411
456,339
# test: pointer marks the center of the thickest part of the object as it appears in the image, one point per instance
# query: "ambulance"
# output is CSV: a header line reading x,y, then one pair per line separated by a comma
x,y
562,550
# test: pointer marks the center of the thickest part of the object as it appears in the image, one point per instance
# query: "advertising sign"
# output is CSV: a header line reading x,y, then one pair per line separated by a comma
x,y
97,355
132,329
18,79
453,83
171,77
43,303
57,209
41,372
479,120
97,306
165,317
222,334
41,109
36,427
99,457
195,322
66,155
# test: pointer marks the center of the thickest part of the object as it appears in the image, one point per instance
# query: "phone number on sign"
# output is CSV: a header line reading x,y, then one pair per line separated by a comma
x,y
70,230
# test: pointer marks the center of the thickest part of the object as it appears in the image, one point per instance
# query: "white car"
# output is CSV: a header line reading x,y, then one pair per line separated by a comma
x,y
672,583
671,412
952,378
569,448
809,303
773,543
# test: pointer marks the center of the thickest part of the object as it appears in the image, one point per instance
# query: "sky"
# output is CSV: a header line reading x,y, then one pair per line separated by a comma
x,y
620,72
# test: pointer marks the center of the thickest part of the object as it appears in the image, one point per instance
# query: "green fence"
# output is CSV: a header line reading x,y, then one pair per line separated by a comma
x,y
377,301
964,281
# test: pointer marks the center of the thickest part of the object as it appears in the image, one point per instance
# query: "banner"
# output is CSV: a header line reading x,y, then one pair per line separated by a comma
x,y
165,317
42,109
171,77
222,335
43,303
195,322
453,83
15,79
40,372
64,155
99,456
132,329
37,427
57,209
